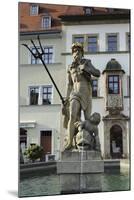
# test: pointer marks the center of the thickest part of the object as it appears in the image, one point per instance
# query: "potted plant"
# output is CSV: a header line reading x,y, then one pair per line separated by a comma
x,y
34,152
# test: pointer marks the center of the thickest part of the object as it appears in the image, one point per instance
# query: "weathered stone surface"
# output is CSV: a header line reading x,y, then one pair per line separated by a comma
x,y
79,98
80,156
92,166
80,171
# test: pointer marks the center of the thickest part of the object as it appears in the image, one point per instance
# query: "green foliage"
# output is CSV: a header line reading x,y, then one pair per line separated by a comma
x,y
34,152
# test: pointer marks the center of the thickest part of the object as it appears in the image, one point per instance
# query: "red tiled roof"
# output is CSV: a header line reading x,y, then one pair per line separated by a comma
x,y
33,23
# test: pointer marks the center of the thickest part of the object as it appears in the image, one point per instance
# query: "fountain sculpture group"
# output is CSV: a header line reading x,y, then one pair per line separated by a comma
x,y
80,166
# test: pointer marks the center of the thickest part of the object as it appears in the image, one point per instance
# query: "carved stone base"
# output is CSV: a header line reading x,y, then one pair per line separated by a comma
x,y
80,172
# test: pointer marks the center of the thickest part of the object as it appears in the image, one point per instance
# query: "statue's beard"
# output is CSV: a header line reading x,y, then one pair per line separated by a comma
x,y
77,58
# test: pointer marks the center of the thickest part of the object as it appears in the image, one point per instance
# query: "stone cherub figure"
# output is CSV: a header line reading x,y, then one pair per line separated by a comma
x,y
79,92
87,135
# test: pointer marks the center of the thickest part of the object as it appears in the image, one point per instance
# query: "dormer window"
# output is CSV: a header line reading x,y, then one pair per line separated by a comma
x,y
34,9
46,22
88,11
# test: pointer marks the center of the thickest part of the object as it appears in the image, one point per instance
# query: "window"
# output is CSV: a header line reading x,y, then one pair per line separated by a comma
x,y
113,84
47,95
79,39
33,60
34,10
23,139
46,22
34,94
41,95
88,11
48,56
128,42
112,42
94,87
92,44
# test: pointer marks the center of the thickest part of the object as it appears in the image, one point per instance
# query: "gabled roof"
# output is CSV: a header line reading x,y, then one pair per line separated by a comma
x,y
33,23
58,13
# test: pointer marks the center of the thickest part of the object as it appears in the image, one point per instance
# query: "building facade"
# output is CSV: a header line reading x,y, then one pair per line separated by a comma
x,y
105,35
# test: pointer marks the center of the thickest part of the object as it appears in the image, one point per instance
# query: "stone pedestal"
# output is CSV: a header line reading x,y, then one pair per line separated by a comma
x,y
80,171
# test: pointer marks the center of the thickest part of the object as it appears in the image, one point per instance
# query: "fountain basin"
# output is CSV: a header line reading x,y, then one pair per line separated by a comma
x,y
80,171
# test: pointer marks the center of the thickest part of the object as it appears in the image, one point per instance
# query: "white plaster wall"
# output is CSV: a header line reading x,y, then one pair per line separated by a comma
x,y
100,29
25,55
100,60
46,118
49,117
37,76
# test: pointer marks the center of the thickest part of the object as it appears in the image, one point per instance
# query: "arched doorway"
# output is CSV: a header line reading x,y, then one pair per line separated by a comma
x,y
116,141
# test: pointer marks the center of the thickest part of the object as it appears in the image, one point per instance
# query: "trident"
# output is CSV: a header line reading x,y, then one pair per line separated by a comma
x,y
38,55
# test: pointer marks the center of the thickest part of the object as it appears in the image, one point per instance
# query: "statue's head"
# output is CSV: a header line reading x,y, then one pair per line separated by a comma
x,y
78,47
95,118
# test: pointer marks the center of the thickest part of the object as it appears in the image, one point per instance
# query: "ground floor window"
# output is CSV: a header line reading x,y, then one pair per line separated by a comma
x,y
23,138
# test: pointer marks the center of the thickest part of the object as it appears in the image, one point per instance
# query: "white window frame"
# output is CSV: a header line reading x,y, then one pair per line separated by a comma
x,y
49,23
114,34
29,89
88,10
51,93
97,38
40,93
31,10
38,62
85,43
52,53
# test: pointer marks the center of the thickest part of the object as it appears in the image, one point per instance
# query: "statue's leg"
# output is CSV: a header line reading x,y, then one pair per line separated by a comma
x,y
87,112
74,112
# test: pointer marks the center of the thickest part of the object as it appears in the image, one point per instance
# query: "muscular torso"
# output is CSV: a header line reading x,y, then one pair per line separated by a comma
x,y
80,83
